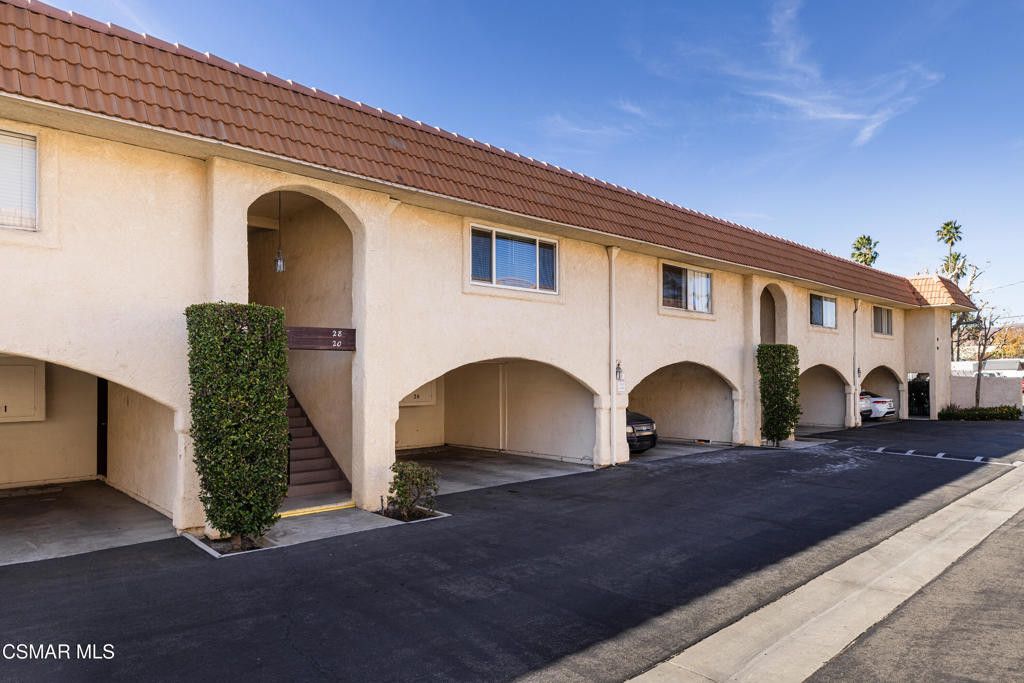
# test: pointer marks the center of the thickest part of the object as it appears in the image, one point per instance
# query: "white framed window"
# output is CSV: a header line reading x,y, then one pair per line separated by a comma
x,y
17,181
506,259
685,288
823,311
882,320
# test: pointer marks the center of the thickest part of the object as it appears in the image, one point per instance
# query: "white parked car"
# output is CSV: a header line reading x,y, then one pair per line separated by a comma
x,y
873,406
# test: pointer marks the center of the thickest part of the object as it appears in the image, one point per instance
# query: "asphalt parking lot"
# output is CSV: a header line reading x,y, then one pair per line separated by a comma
x,y
596,575
998,440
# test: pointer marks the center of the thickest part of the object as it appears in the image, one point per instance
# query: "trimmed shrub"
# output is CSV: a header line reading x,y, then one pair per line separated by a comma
x,y
779,369
238,372
412,492
955,412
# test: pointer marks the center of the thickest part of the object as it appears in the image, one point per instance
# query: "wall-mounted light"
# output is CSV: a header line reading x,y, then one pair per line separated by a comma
x,y
279,259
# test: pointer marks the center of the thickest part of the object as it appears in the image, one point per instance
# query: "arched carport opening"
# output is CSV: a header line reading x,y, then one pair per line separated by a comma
x,y
300,259
886,383
688,402
823,398
508,407
773,315
84,452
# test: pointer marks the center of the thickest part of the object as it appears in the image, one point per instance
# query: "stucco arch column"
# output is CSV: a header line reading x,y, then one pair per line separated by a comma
x,y
852,411
603,455
374,413
747,413
737,416
227,245
187,511
904,412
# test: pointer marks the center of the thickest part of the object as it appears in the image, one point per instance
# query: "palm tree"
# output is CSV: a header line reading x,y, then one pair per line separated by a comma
x,y
865,250
954,266
949,233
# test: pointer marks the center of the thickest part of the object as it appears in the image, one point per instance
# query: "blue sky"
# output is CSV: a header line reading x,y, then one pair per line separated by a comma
x,y
816,122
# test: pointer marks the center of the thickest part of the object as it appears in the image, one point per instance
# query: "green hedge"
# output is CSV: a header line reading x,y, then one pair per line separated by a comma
x,y
954,412
238,371
779,369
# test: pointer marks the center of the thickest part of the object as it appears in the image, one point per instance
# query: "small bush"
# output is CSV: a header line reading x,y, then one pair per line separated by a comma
x,y
412,492
955,412
238,373
779,369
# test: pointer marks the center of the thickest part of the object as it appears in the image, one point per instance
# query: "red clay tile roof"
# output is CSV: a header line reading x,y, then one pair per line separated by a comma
x,y
67,59
936,290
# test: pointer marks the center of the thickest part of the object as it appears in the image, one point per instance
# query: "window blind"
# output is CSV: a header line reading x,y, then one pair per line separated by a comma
x,y
17,181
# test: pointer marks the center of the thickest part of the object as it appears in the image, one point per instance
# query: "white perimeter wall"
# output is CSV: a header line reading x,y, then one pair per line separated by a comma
x,y
995,391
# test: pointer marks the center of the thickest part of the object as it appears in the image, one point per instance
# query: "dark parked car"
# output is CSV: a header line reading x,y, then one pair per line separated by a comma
x,y
641,432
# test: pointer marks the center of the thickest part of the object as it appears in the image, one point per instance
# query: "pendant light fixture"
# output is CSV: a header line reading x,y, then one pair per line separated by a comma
x,y
279,260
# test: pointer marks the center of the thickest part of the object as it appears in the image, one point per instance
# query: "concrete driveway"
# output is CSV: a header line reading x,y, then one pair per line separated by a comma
x,y
465,469
595,576
68,519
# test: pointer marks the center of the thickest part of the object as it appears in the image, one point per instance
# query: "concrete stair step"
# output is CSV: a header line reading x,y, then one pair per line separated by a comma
x,y
294,412
315,476
308,464
292,403
298,421
307,442
297,454
322,487
297,432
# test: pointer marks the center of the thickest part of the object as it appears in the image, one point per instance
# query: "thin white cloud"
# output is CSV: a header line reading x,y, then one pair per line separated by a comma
x,y
790,79
630,108
558,126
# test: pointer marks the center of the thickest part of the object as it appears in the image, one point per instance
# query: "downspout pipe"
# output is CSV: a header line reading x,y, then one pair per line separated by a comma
x,y
612,357
856,369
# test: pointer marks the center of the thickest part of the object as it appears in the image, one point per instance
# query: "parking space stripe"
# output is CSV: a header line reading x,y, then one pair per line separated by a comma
x,y
942,456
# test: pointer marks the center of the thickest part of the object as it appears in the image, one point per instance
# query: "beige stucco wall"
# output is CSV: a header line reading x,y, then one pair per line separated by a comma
x,y
926,348
422,426
995,391
315,291
142,448
686,401
130,236
63,446
822,398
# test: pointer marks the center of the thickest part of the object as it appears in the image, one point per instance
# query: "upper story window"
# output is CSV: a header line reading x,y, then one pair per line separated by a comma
x,y
509,260
17,181
823,311
685,288
883,320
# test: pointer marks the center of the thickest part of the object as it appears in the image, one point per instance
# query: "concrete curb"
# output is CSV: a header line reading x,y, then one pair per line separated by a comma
x,y
791,638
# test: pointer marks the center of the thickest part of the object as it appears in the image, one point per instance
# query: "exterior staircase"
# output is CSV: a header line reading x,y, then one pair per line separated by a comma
x,y
311,467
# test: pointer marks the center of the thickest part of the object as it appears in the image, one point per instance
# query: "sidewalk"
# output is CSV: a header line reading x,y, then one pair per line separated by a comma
x,y
791,638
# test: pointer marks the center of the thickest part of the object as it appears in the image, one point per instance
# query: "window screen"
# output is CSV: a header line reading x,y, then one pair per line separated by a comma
x,y
883,320
17,181
823,311
686,289
514,260
673,286
698,285
482,255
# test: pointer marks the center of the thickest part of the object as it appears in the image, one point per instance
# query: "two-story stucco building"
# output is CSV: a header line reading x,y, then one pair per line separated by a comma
x,y
498,302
